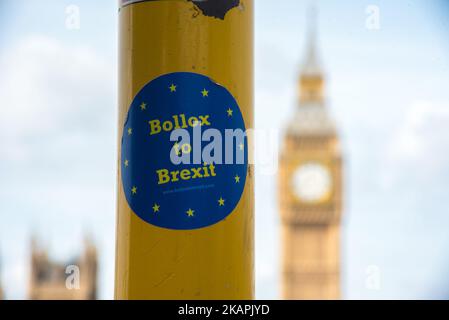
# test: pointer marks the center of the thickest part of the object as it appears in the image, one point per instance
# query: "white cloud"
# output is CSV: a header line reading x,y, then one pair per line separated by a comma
x,y
419,145
49,91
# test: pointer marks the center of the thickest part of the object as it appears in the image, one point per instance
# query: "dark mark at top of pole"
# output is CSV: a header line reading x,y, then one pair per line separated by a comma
x,y
210,8
216,8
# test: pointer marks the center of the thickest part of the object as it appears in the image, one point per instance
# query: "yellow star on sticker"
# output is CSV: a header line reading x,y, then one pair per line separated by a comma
x,y
205,93
230,112
143,106
173,88
237,179
126,163
221,202
156,208
130,131
134,190
190,213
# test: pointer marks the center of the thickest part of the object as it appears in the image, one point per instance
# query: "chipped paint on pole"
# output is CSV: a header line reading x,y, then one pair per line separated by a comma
x,y
184,231
213,8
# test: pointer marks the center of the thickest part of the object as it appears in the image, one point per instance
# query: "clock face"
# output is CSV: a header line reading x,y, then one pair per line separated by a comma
x,y
312,182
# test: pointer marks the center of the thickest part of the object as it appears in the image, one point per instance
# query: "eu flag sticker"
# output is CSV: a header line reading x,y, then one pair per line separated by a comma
x,y
184,152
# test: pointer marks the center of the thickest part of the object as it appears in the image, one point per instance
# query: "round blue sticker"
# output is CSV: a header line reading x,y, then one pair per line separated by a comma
x,y
184,157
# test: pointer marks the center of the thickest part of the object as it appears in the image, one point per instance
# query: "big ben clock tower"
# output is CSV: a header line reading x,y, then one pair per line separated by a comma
x,y
310,191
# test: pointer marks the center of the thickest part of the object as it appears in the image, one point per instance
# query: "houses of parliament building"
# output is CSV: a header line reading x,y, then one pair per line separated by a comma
x,y
48,280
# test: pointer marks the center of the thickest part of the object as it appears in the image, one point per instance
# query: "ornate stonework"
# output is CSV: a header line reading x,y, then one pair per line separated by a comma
x,y
51,281
310,192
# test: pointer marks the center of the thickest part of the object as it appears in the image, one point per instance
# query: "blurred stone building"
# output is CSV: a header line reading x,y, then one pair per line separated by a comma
x,y
2,295
310,190
74,280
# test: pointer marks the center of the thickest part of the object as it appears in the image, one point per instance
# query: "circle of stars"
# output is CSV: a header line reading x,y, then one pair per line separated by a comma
x,y
157,208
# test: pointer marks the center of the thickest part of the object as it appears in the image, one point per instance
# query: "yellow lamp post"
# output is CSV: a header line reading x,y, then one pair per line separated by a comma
x,y
179,237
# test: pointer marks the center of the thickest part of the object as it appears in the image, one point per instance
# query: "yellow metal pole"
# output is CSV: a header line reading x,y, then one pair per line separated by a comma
x,y
184,231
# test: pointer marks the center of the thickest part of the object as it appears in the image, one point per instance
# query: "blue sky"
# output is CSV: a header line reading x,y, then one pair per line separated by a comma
x,y
387,90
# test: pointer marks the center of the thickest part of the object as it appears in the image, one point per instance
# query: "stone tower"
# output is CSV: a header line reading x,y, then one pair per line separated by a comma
x,y
310,190
74,280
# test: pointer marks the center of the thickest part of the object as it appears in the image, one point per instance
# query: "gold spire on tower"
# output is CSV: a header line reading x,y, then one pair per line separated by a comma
x,y
311,80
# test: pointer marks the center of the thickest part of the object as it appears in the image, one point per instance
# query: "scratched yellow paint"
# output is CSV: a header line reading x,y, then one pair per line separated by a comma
x,y
156,38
